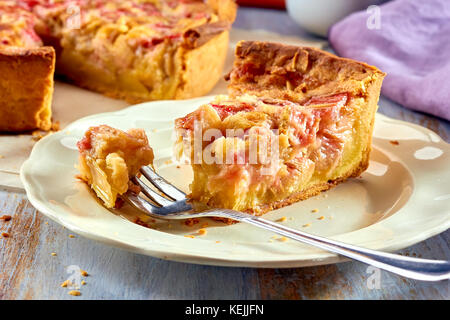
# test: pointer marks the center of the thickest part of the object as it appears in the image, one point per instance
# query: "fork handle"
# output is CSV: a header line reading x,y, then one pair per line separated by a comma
x,y
414,268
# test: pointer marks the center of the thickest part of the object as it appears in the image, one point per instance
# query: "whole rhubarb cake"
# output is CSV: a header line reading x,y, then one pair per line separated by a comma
x,y
137,50
296,121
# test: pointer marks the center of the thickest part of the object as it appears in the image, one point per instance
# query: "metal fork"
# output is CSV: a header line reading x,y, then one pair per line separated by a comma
x,y
174,205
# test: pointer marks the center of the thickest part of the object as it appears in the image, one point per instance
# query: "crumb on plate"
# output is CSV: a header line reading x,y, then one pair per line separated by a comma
x,y
5,217
394,142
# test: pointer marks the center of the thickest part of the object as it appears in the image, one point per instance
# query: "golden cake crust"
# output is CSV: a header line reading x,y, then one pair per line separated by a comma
x,y
26,88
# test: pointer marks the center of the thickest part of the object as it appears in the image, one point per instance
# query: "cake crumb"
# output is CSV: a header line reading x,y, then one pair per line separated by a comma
x,y
314,210
394,142
84,273
71,236
38,134
55,126
189,236
178,166
83,282
202,232
74,293
283,239
190,222
142,223
282,219
66,283
1,157
306,225
5,217
53,254
167,162
217,241
321,218
6,235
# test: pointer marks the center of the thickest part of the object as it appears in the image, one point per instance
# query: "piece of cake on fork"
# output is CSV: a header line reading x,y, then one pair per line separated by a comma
x,y
109,157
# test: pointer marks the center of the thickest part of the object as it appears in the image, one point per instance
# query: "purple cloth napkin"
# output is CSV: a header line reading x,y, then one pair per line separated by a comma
x,y
411,43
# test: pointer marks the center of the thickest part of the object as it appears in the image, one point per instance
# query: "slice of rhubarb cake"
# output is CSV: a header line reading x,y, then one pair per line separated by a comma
x,y
109,157
297,121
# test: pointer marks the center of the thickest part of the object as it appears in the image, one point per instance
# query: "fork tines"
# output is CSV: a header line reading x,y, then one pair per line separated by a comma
x,y
170,200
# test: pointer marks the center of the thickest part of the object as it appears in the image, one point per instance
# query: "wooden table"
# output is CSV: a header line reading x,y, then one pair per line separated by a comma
x,y
28,270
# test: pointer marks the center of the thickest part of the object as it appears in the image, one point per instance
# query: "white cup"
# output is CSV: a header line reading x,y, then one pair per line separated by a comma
x,y
317,16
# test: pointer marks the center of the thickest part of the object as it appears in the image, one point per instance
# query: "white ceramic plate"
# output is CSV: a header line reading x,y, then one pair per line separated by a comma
x,y
403,198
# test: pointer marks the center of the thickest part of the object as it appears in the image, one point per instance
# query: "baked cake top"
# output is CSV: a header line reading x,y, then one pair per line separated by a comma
x,y
17,25
296,73
145,23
